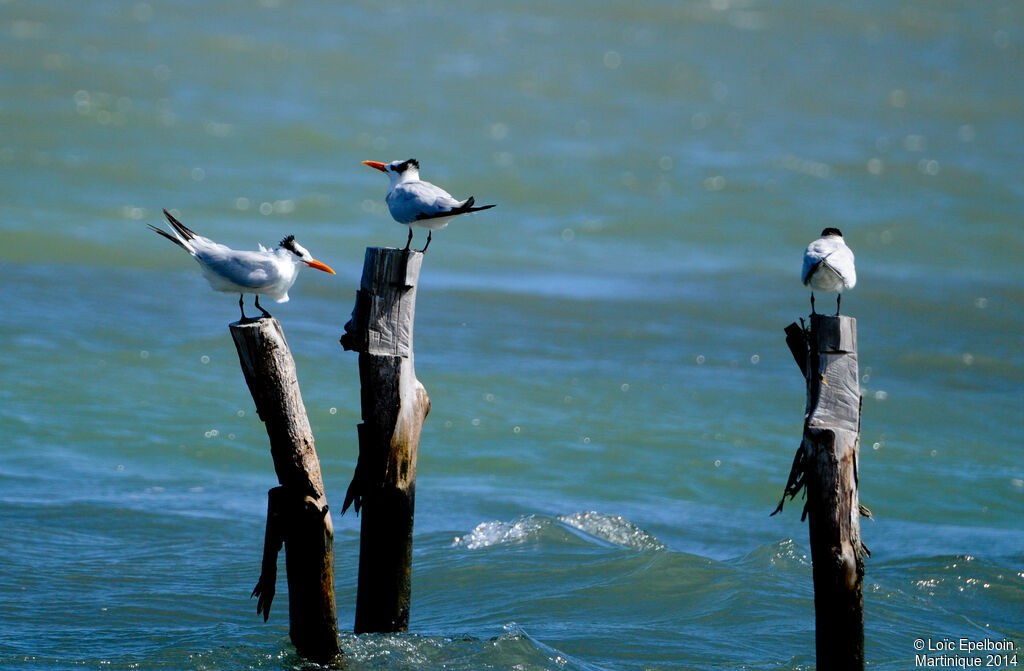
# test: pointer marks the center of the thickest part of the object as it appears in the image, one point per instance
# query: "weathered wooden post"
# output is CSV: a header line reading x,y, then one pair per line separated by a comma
x,y
297,512
394,405
826,464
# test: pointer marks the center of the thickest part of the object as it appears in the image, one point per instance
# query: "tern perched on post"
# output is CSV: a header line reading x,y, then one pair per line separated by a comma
x,y
414,202
828,265
270,272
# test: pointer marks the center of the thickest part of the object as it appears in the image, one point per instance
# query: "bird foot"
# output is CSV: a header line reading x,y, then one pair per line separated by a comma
x,y
266,315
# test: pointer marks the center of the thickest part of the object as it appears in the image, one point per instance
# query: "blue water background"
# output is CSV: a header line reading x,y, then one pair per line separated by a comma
x,y
614,408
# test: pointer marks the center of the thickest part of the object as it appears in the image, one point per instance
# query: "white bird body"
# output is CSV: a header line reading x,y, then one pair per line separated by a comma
x,y
828,265
267,272
414,202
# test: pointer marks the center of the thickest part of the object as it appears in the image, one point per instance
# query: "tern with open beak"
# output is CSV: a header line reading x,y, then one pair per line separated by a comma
x,y
414,202
270,272
828,265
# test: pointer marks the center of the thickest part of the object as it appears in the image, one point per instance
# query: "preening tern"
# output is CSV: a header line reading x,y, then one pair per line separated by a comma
x,y
270,272
414,202
828,265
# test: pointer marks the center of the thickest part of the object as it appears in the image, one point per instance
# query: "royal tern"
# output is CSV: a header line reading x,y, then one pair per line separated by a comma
x,y
270,272
414,202
828,265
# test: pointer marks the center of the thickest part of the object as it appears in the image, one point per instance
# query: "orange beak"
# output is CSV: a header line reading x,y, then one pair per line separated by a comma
x,y
376,164
320,266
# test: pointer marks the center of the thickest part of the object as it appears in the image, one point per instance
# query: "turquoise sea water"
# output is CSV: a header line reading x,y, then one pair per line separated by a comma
x,y
614,408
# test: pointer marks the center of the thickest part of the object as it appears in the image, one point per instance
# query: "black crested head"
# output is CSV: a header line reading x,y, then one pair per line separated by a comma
x,y
289,244
405,165
831,231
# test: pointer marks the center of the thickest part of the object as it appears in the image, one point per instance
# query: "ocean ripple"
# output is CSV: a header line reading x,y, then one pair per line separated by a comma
x,y
598,528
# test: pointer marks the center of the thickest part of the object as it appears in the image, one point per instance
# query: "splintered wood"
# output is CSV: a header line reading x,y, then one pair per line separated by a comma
x,y
297,513
827,465
394,406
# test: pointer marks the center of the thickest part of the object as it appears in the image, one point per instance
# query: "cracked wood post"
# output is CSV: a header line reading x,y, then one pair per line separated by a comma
x,y
827,465
297,511
394,405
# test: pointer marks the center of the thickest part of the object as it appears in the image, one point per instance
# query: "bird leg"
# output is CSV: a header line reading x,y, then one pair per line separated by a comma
x,y
265,313
839,297
429,233
409,241
244,318
812,303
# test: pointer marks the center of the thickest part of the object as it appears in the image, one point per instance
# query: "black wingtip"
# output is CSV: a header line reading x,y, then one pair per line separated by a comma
x,y
185,231
167,235
482,207
468,206
465,208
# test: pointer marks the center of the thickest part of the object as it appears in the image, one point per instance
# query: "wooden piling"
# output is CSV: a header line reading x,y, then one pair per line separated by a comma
x,y
827,465
394,406
297,513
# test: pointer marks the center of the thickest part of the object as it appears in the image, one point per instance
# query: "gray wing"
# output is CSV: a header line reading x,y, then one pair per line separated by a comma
x,y
419,200
842,261
814,255
811,264
242,268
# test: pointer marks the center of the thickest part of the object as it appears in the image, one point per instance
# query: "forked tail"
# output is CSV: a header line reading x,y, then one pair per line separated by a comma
x,y
468,206
184,233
